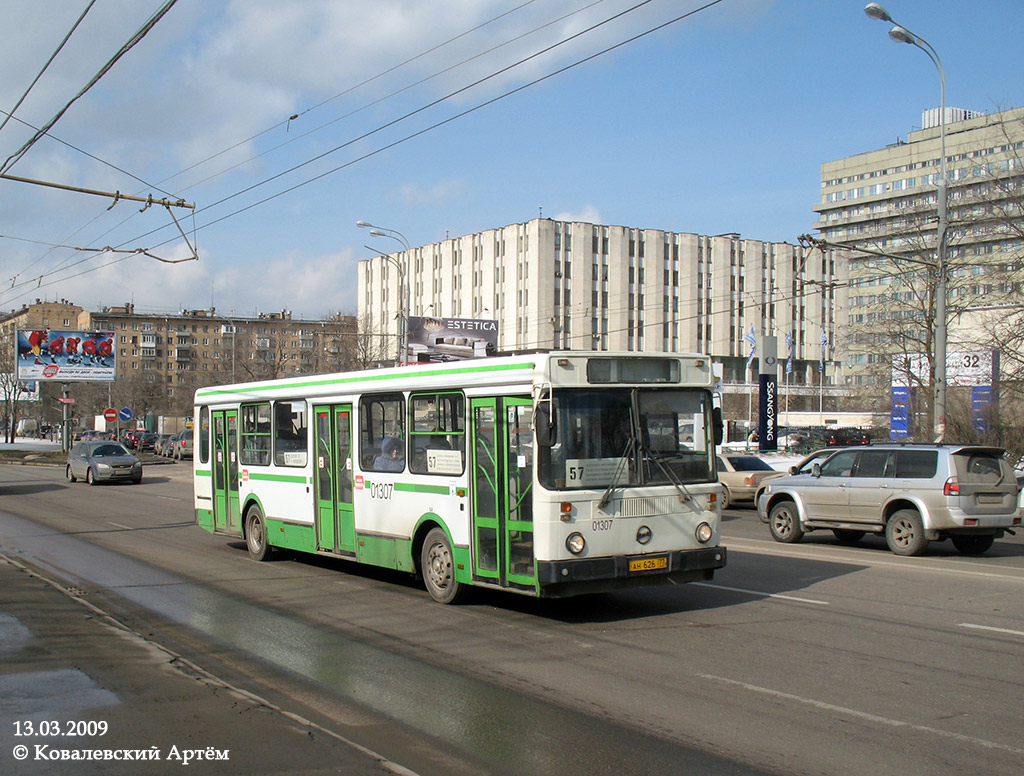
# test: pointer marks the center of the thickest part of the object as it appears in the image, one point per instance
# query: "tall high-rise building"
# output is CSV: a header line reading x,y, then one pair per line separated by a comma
x,y
581,286
885,201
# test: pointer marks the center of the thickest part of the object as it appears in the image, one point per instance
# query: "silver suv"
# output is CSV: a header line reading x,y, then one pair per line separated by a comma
x,y
912,493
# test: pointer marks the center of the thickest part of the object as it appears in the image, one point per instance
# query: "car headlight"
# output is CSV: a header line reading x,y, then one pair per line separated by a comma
x,y
704,533
575,543
102,467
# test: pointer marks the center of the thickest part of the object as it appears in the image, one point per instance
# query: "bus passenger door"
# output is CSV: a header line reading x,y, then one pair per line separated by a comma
x,y
484,481
226,513
335,519
518,507
502,477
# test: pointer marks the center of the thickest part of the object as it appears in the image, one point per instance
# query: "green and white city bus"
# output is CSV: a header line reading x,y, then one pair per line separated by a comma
x,y
548,474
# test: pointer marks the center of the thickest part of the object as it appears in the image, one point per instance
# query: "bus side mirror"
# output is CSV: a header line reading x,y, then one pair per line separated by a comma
x,y
544,425
718,424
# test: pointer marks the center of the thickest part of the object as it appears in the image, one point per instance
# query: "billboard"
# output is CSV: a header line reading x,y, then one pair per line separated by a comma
x,y
962,369
451,339
65,356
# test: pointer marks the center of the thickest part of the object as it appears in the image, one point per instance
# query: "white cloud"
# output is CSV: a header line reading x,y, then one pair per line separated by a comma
x,y
588,214
310,286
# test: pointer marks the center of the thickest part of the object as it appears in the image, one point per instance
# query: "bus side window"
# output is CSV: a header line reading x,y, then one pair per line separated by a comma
x,y
290,433
380,417
255,434
437,422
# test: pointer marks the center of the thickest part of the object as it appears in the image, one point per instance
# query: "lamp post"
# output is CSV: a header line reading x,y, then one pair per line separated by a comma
x,y
901,34
404,284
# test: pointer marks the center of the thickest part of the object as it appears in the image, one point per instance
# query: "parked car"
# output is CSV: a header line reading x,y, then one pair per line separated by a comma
x,y
913,494
102,460
846,437
170,444
161,443
130,438
741,476
145,441
183,445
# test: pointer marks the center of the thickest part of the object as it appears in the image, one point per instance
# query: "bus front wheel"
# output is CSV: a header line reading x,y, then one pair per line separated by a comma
x,y
438,568
256,535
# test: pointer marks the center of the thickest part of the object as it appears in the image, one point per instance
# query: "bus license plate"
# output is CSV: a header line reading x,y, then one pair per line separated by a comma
x,y
649,564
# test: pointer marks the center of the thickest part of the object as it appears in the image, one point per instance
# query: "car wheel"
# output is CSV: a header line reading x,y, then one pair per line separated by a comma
x,y
89,477
784,523
71,477
904,533
973,544
726,499
437,565
847,535
256,535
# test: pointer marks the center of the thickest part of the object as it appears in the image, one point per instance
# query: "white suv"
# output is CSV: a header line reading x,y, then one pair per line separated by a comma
x,y
913,493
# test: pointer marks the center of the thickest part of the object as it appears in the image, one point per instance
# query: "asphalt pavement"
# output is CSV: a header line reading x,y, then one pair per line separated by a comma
x,y
81,693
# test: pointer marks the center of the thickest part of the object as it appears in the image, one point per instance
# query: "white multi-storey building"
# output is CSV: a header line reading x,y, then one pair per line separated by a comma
x,y
885,201
581,286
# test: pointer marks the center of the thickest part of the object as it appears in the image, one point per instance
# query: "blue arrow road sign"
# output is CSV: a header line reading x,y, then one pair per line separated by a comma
x,y
125,414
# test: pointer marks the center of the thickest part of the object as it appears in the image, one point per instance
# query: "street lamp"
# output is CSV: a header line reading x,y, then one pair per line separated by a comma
x,y
901,34
404,284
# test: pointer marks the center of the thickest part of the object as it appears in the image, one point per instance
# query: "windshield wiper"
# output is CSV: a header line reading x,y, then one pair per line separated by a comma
x,y
684,495
627,453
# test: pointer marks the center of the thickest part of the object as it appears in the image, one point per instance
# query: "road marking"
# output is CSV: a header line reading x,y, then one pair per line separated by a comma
x,y
118,525
990,628
866,716
762,594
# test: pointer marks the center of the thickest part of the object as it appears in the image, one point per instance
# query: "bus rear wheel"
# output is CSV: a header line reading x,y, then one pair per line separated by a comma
x,y
437,565
256,535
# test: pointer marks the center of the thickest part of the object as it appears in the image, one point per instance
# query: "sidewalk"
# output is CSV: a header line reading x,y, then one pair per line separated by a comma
x,y
30,444
80,694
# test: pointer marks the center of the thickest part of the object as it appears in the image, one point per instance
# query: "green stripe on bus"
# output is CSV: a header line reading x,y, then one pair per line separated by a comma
x,y
414,487
411,487
278,477
204,473
417,373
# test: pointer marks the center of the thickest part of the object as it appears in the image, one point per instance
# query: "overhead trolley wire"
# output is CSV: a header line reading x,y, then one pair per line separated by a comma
x,y
279,124
340,94
53,56
379,100
139,35
436,125
448,120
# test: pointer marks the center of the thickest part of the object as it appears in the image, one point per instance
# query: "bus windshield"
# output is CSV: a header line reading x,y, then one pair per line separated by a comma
x,y
627,437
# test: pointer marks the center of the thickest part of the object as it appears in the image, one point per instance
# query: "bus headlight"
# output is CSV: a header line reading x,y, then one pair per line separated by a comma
x,y
575,543
703,533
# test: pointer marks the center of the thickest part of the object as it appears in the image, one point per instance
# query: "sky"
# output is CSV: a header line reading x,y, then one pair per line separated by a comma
x,y
285,123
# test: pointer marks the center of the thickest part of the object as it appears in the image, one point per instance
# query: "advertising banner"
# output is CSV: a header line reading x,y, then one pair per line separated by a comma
x,y
768,414
451,339
983,408
899,414
66,356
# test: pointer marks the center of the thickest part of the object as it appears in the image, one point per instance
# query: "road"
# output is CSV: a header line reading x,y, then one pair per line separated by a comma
x,y
797,659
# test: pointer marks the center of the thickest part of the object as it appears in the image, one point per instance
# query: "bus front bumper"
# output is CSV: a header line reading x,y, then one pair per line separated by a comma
x,y
557,578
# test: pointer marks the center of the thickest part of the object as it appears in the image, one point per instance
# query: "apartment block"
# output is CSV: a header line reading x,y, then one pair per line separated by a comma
x,y
179,352
574,285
